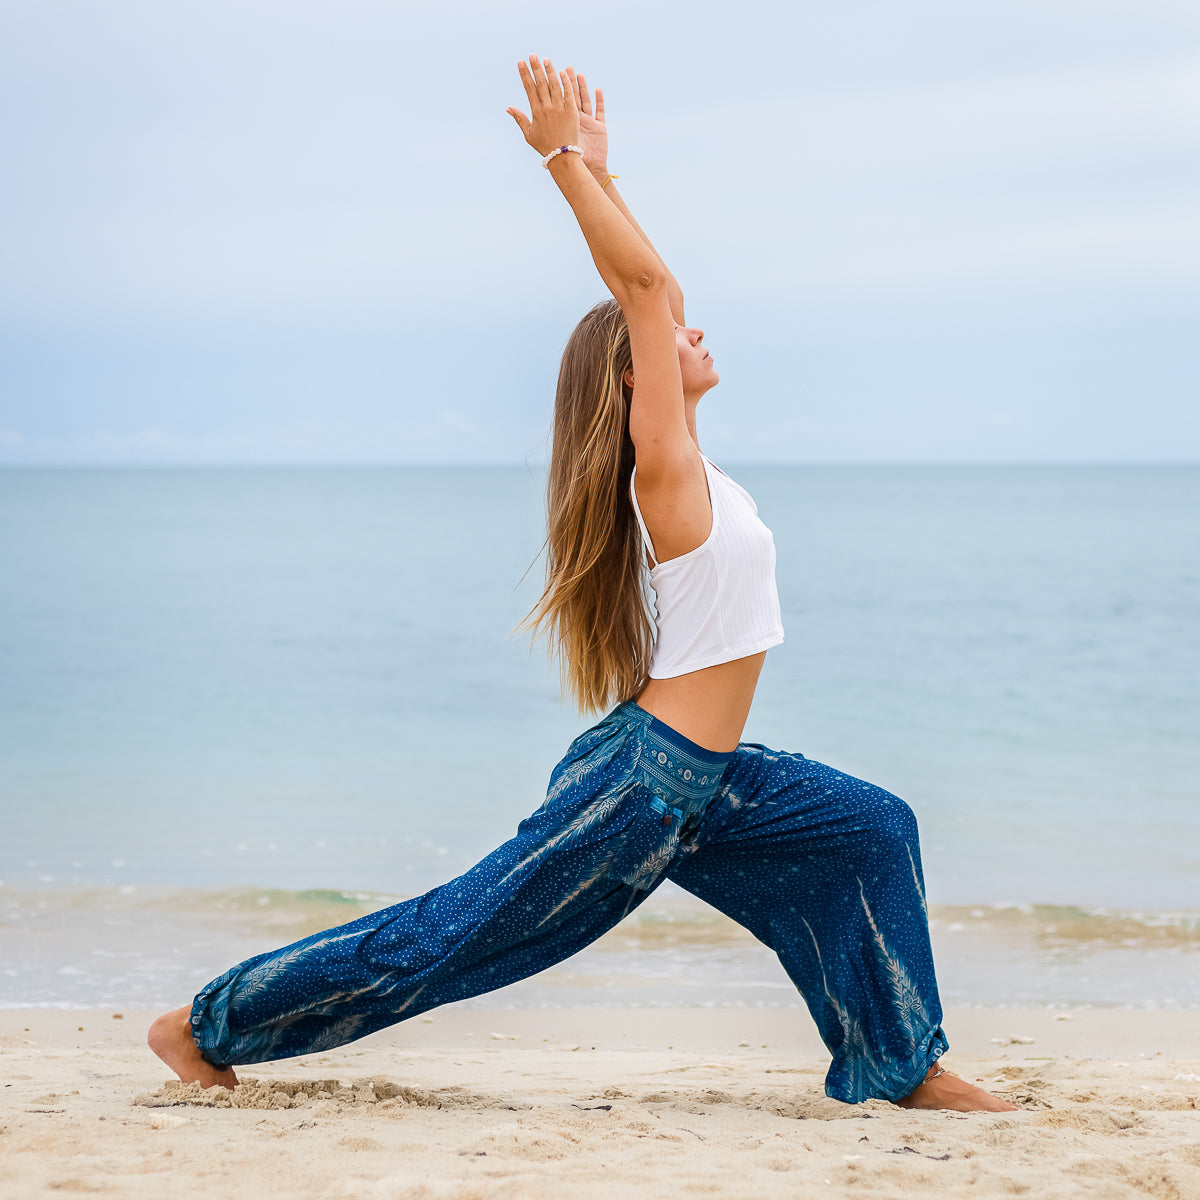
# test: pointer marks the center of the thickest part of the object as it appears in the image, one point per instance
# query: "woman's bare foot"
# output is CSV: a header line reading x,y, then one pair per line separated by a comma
x,y
170,1037
941,1089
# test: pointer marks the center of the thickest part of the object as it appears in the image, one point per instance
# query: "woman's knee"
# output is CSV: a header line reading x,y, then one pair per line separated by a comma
x,y
885,821
898,820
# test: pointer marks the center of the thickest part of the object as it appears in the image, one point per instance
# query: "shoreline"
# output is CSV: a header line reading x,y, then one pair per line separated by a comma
x,y
471,1102
155,947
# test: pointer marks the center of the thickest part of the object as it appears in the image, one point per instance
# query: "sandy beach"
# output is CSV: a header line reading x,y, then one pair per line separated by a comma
x,y
477,1103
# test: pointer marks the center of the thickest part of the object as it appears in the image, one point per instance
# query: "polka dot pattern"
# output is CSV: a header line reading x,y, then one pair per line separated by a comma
x,y
822,867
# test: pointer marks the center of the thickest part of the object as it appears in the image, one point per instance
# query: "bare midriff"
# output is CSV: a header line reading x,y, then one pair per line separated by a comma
x,y
710,706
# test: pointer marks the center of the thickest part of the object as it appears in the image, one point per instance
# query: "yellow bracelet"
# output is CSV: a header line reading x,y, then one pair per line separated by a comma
x,y
608,181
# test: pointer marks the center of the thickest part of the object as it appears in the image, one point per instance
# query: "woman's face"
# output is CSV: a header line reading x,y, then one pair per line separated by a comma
x,y
695,362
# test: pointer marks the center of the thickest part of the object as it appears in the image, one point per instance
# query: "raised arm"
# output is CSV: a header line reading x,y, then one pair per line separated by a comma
x,y
593,137
627,263
630,268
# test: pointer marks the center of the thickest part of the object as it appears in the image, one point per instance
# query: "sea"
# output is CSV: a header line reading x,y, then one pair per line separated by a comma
x,y
239,705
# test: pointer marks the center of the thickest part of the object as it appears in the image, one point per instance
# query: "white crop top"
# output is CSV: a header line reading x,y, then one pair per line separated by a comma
x,y
719,601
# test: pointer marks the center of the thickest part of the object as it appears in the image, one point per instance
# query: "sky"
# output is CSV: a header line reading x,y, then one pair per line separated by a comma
x,y
266,232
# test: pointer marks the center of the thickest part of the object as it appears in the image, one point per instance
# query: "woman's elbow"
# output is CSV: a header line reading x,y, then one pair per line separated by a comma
x,y
643,286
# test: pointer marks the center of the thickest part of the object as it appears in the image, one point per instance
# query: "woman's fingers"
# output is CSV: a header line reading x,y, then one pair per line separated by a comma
x,y
524,124
545,86
583,101
553,107
554,81
600,106
536,88
541,77
582,94
527,81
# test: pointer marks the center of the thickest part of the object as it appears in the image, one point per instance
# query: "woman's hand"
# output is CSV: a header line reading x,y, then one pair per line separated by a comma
x,y
593,133
552,104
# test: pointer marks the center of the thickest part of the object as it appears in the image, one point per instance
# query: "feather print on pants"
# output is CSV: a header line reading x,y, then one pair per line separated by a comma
x,y
823,868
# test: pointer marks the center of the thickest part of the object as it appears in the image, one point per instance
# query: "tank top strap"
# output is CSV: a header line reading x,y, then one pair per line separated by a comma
x,y
637,512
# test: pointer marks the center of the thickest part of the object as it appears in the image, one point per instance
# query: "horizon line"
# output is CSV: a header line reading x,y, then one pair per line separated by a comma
x,y
442,464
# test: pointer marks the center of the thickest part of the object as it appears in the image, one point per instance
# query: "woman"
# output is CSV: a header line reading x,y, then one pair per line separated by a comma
x,y
823,868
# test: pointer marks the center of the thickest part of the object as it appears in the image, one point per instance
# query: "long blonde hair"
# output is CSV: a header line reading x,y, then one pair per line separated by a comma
x,y
594,607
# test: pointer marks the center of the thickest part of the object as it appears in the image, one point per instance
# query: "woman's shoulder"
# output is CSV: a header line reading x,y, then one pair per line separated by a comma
x,y
672,503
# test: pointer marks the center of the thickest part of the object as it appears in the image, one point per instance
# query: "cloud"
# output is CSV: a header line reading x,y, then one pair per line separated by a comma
x,y
1069,176
305,231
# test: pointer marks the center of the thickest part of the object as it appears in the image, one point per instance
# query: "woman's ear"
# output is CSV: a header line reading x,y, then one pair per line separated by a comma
x,y
628,378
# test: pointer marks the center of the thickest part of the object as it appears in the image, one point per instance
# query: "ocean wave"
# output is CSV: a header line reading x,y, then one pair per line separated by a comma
x,y
667,921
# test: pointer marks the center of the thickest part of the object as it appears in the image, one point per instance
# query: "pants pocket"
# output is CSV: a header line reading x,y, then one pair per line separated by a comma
x,y
648,843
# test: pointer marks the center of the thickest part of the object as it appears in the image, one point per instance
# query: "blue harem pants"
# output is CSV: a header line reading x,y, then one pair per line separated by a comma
x,y
823,868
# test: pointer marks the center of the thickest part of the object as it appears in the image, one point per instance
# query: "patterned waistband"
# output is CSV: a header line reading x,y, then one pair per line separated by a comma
x,y
676,768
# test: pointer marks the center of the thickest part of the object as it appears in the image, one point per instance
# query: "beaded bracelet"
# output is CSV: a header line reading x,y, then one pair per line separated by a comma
x,y
561,150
